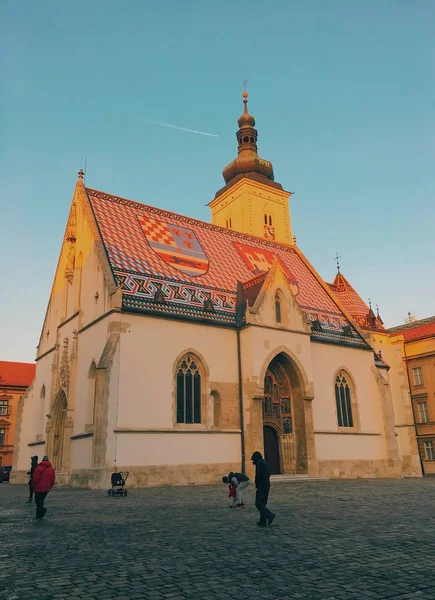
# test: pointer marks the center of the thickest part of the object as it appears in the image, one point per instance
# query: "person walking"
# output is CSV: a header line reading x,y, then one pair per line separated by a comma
x,y
262,485
33,465
240,481
42,482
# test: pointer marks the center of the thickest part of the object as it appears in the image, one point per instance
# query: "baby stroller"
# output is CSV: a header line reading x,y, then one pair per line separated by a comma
x,y
118,482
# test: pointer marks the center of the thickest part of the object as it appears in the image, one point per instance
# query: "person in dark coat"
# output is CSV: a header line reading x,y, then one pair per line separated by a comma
x,y
33,466
262,484
42,482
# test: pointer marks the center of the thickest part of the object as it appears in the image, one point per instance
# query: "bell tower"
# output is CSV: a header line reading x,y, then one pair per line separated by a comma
x,y
251,201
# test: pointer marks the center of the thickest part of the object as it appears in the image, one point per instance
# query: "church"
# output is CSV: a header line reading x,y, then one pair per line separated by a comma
x,y
174,348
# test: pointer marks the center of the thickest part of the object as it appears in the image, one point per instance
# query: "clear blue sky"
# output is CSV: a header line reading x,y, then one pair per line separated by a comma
x,y
343,93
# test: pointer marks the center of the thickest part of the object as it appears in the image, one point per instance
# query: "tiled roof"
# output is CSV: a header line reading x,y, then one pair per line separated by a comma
x,y
379,361
16,374
354,304
415,330
170,264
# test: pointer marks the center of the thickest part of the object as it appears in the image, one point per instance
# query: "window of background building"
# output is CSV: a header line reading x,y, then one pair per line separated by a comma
x,y
3,407
418,376
2,437
429,449
423,412
228,223
268,219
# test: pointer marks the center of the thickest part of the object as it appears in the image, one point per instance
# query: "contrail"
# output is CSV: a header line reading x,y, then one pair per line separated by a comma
x,y
177,127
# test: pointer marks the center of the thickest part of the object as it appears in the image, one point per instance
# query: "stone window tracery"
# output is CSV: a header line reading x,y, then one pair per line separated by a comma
x,y
188,390
277,403
343,400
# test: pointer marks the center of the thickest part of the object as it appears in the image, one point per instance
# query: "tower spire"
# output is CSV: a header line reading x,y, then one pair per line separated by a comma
x,y
247,160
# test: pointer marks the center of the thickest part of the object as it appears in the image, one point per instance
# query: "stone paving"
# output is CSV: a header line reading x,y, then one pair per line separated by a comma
x,y
331,540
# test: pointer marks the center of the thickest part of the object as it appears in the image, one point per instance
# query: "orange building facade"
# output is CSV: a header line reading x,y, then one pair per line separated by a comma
x,y
15,378
418,352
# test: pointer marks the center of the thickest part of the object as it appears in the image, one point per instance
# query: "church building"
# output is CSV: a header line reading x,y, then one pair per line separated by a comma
x,y
174,348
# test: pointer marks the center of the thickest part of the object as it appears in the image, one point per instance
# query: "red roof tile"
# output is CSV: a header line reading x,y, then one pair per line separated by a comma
x,y
165,259
16,374
354,304
416,330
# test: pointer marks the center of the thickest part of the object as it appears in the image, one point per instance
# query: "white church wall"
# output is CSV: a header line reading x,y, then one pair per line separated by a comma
x,y
149,351
177,448
94,296
81,453
33,419
91,344
259,345
24,435
327,360
348,447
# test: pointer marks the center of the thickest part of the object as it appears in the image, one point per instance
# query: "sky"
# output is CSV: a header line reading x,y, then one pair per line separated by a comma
x,y
343,95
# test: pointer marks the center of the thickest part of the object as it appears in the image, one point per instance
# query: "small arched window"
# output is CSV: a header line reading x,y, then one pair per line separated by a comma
x,y
188,390
246,139
92,377
343,400
277,308
41,410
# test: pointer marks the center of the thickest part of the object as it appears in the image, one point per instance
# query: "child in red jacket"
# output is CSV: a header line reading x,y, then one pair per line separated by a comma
x,y
232,494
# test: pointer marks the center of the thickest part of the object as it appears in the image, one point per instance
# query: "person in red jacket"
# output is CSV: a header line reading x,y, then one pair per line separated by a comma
x,y
42,482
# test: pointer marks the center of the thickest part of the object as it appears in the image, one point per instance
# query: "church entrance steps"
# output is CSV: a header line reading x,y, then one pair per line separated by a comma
x,y
296,478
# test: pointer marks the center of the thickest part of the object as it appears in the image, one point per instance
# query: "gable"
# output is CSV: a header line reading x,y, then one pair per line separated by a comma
x,y
354,304
173,265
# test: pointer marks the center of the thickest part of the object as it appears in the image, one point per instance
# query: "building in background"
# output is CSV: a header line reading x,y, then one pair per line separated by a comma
x,y
15,378
417,341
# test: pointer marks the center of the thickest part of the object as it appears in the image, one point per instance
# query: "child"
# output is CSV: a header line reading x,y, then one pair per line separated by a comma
x,y
232,494
240,482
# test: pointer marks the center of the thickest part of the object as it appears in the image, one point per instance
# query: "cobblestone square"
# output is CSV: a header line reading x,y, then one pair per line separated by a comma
x,y
338,540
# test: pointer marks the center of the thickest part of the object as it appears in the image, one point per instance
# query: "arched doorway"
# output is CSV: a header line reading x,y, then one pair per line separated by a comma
x,y
285,444
271,449
58,450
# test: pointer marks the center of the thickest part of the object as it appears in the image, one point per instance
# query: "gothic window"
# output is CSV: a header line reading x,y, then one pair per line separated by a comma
x,y
188,390
228,223
277,308
343,400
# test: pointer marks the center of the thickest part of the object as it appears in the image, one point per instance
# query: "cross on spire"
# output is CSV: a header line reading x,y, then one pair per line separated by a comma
x,y
336,258
245,84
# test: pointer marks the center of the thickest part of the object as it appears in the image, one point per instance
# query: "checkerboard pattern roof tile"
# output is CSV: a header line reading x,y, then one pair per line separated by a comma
x,y
142,271
353,302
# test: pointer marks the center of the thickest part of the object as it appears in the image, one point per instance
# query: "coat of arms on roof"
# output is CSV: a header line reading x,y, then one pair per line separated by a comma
x,y
260,260
177,246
